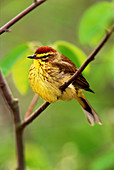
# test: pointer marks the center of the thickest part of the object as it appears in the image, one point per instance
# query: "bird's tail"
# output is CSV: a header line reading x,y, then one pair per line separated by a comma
x,y
88,110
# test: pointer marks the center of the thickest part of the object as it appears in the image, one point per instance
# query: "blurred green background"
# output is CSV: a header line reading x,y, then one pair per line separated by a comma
x,y
61,138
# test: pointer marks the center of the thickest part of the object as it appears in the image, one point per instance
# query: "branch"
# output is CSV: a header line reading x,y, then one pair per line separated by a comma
x,y
89,59
35,114
6,27
14,107
18,136
66,84
32,104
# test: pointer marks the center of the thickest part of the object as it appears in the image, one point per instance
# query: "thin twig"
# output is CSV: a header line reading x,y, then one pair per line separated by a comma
x,y
31,106
6,27
66,84
35,114
14,107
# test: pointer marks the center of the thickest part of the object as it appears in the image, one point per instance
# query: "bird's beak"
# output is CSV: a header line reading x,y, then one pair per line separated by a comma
x,y
33,57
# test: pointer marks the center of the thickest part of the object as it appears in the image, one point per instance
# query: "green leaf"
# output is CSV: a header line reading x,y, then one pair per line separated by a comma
x,y
21,68
20,73
16,62
10,59
71,51
94,23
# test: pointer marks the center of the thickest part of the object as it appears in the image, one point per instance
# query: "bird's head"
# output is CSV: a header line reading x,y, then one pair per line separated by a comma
x,y
43,53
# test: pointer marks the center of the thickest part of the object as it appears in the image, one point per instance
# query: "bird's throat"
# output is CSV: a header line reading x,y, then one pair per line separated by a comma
x,y
37,63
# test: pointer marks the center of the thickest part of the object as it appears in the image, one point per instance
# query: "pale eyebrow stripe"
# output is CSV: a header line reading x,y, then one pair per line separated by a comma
x,y
44,54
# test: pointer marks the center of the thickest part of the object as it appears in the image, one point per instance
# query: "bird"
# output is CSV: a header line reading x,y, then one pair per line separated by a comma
x,y
49,71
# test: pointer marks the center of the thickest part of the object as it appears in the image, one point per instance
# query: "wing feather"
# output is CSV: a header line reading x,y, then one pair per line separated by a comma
x,y
68,67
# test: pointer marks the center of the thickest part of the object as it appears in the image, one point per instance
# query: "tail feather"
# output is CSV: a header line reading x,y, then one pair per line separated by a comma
x,y
88,110
92,117
89,117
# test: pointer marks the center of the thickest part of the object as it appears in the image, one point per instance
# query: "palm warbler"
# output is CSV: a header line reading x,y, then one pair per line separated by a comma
x,y
50,70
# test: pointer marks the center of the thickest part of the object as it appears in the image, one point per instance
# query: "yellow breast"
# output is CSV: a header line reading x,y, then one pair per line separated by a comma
x,y
43,85
47,85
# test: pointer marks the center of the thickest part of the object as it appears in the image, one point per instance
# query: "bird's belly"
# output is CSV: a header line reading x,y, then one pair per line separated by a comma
x,y
48,89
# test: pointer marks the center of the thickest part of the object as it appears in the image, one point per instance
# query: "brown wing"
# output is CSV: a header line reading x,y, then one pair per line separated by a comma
x,y
82,83
68,67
